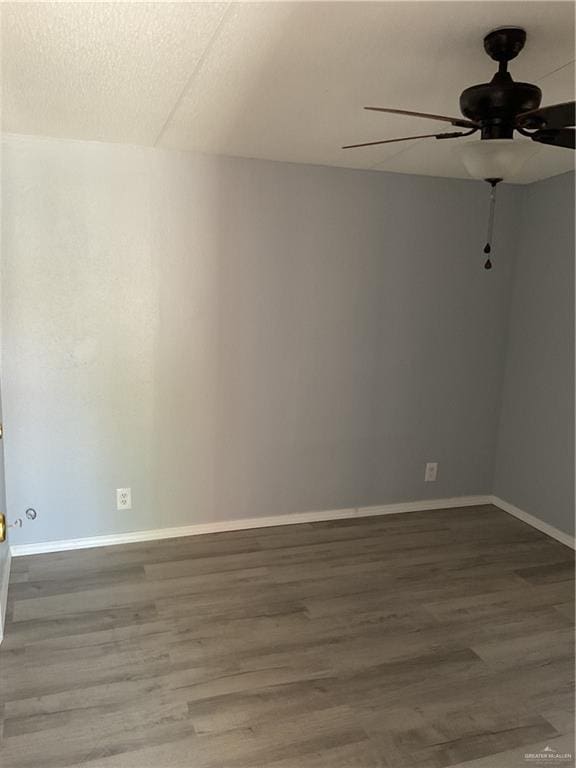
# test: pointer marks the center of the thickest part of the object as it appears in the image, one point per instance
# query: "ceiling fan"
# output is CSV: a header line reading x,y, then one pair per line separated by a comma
x,y
502,106
497,109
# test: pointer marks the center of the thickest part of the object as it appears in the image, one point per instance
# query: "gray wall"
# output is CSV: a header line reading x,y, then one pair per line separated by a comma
x,y
534,467
4,547
235,338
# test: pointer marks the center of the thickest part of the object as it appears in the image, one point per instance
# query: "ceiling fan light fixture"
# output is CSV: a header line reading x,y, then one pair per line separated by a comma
x,y
496,158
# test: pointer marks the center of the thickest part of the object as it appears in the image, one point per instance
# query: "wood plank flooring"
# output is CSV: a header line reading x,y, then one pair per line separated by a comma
x,y
421,640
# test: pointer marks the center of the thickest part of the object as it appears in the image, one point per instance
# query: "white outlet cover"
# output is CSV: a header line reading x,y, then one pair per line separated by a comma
x,y
123,498
431,472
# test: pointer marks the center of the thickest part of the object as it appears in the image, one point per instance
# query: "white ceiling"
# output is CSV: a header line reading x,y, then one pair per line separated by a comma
x,y
283,81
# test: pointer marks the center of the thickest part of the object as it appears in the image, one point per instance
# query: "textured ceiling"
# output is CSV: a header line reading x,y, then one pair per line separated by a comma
x,y
283,81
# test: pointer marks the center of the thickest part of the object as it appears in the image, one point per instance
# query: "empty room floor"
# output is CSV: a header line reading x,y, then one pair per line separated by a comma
x,y
424,639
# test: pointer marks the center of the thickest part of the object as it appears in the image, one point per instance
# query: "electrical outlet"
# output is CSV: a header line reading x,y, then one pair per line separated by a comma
x,y
431,472
123,498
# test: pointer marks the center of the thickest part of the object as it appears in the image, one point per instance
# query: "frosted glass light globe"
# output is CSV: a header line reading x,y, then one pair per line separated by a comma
x,y
496,158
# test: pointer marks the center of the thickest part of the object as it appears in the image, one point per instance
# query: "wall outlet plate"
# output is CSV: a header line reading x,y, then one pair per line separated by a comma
x,y
431,472
123,498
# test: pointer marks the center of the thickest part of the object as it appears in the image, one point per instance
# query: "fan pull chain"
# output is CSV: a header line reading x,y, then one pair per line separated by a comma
x,y
488,246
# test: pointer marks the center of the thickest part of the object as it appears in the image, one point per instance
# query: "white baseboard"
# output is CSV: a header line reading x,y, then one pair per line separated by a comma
x,y
535,522
44,547
18,550
423,506
4,579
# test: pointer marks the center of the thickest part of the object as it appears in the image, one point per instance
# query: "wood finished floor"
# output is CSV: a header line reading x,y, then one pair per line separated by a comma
x,y
419,640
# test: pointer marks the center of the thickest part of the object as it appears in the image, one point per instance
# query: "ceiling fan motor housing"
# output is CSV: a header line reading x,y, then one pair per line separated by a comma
x,y
494,105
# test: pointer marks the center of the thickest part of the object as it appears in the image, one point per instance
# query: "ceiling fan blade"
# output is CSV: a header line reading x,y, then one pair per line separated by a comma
x,y
460,122
554,116
452,135
563,137
389,141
